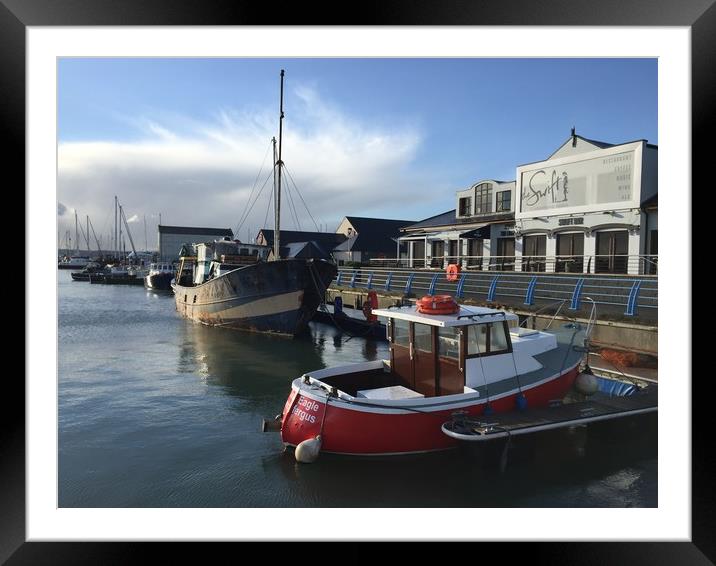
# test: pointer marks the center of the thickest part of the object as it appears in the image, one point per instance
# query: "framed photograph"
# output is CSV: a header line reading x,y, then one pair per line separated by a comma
x,y
63,62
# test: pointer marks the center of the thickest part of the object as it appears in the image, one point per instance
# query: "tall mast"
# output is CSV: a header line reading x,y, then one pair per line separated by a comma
x,y
279,164
121,241
87,234
116,240
77,236
276,219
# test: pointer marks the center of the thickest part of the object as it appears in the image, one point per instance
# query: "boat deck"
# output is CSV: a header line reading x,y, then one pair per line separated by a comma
x,y
599,407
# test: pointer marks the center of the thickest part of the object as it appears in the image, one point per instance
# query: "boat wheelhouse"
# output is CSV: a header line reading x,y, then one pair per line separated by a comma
x,y
474,362
159,277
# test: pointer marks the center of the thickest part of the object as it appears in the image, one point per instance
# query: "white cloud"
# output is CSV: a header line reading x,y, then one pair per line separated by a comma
x,y
203,176
133,218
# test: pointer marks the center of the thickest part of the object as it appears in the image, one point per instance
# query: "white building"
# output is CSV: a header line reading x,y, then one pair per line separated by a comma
x,y
478,234
581,211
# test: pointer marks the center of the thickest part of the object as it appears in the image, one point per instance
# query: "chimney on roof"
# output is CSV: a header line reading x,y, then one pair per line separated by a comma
x,y
574,138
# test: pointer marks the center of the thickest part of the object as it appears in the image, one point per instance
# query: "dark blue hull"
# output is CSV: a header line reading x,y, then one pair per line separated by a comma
x,y
279,296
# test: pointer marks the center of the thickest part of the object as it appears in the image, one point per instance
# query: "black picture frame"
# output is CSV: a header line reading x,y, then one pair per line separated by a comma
x,y
699,15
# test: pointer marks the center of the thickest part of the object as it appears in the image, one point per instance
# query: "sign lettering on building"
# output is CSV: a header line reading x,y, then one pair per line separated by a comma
x,y
570,221
599,180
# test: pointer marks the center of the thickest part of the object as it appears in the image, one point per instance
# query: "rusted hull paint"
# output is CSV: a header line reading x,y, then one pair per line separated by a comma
x,y
280,296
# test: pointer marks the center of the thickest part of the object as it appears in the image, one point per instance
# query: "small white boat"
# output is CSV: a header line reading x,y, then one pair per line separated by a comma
x,y
160,276
74,262
475,361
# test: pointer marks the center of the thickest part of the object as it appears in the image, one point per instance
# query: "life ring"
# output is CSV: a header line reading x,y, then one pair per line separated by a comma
x,y
437,304
369,304
453,270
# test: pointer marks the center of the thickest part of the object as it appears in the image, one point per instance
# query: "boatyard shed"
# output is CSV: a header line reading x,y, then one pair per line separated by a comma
x,y
171,238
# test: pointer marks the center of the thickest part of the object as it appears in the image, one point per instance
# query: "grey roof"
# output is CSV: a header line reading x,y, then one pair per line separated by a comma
x,y
652,201
374,234
442,219
194,230
326,240
450,219
304,250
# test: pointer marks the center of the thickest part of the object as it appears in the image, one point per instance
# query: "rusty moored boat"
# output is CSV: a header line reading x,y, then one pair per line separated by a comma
x,y
264,296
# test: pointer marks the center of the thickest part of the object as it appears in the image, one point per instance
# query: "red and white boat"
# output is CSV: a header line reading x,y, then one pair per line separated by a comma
x,y
476,361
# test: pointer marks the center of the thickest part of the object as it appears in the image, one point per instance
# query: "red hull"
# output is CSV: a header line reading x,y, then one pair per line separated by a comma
x,y
358,431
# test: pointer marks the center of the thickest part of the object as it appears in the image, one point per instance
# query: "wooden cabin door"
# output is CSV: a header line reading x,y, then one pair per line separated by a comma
x,y
401,360
424,359
451,361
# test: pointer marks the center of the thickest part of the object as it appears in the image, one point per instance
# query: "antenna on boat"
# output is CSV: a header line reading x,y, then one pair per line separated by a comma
x,y
279,164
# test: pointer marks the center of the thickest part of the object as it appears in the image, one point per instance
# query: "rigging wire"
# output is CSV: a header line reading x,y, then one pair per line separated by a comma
x,y
254,203
268,208
242,219
292,207
301,197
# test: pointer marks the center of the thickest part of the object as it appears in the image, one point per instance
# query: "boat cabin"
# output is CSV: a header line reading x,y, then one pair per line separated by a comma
x,y
439,355
430,353
214,259
156,268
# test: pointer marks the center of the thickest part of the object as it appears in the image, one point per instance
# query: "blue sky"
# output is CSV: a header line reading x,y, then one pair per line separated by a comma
x,y
390,138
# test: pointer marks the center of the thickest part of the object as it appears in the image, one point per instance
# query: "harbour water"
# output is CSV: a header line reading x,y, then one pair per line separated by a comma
x,y
158,411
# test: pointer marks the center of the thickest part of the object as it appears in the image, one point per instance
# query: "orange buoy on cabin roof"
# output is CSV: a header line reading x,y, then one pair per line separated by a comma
x,y
453,270
437,304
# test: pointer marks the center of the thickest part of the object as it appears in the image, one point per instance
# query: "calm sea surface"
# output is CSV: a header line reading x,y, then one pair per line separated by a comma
x,y
158,411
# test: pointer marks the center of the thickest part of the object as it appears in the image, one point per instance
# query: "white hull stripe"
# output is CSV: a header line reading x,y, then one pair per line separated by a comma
x,y
275,304
468,400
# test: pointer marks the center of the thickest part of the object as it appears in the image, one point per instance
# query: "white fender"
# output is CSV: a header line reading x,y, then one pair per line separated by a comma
x,y
307,451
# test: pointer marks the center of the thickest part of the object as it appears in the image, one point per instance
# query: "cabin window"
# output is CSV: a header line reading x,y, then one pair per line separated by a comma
x,y
498,338
477,339
423,337
449,342
487,339
401,332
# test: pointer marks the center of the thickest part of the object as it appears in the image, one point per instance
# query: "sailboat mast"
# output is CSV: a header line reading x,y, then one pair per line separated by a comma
x,y
276,219
121,241
87,234
116,241
77,236
279,164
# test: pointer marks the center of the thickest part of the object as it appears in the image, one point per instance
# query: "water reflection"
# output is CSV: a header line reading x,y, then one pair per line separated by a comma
x,y
246,365
565,468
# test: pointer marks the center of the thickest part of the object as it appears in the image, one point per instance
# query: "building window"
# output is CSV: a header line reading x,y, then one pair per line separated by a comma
x,y
474,252
483,198
466,206
570,253
534,250
438,253
454,251
653,257
612,252
505,260
503,199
